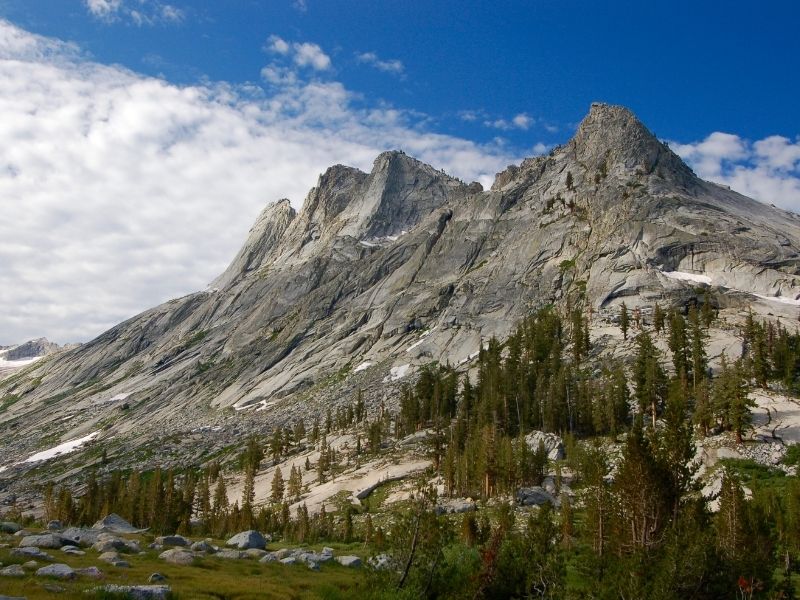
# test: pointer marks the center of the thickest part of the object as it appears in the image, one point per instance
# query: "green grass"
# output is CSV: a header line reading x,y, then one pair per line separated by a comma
x,y
566,265
755,476
8,401
209,577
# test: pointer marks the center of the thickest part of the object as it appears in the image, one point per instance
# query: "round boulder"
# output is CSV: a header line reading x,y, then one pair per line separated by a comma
x,y
177,557
247,539
58,571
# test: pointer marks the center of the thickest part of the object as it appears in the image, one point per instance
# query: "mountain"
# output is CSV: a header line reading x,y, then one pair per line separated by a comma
x,y
13,358
380,273
30,349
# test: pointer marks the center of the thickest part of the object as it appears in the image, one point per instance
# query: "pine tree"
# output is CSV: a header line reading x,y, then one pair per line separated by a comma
x,y
277,486
740,404
679,344
698,338
658,318
644,507
295,484
675,448
650,381
219,509
624,321
204,511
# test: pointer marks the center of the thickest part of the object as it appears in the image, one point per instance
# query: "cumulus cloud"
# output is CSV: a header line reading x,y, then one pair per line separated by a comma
x,y
146,12
119,191
103,9
521,121
303,54
768,169
388,66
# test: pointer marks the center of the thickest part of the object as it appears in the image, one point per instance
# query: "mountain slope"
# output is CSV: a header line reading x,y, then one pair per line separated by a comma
x,y
382,272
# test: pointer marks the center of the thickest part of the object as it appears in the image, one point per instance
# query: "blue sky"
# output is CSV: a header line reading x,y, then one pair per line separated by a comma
x,y
686,67
140,139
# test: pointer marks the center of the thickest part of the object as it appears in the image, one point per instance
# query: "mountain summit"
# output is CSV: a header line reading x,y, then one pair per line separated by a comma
x,y
380,273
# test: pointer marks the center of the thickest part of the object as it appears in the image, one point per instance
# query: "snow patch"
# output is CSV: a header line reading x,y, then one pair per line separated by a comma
x,y
61,449
422,337
367,244
396,373
781,299
683,276
18,363
362,367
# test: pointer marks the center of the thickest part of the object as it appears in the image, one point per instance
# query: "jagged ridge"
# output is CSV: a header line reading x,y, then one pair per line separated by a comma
x,y
372,260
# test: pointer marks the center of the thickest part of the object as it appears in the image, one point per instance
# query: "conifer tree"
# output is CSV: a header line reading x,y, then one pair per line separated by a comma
x,y
648,376
277,487
658,318
624,321
295,484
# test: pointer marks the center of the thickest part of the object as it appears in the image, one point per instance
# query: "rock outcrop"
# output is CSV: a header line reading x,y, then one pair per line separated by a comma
x,y
380,273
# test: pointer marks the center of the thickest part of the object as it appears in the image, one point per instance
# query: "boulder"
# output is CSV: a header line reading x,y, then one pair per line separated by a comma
x,y
349,561
234,554
81,536
379,562
534,496
116,524
247,539
10,527
255,553
139,592
44,540
177,557
156,577
172,540
73,550
269,557
110,543
12,571
31,552
54,525
57,571
90,572
30,565
203,546
455,506
110,557
12,597
553,444
289,560
282,553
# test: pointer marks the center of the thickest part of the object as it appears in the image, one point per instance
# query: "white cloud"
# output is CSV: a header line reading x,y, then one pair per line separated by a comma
x,y
768,169
119,191
311,55
278,45
147,12
303,54
388,66
300,5
103,9
521,121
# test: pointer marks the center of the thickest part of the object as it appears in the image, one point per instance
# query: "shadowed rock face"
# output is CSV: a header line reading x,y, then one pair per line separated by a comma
x,y
373,260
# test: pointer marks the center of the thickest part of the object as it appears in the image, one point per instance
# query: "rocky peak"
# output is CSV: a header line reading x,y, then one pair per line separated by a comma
x,y
31,349
397,194
612,137
264,236
613,134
